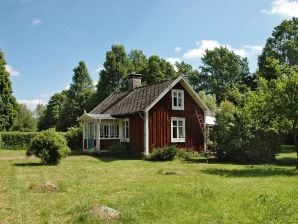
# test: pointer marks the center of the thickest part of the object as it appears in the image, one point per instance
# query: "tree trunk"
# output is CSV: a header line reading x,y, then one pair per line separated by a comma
x,y
294,135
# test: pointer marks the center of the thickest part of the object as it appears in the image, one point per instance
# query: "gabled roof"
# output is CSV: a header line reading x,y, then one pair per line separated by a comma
x,y
142,98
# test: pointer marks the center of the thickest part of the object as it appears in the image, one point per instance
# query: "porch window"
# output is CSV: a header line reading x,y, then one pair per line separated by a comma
x,y
177,129
177,99
109,130
125,130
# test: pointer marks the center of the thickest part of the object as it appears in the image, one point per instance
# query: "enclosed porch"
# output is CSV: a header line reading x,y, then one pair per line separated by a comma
x,y
100,131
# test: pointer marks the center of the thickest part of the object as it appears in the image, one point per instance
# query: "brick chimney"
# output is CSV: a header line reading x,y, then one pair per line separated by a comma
x,y
134,81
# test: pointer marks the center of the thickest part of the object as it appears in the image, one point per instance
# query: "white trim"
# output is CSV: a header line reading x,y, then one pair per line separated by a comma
x,y
183,129
146,133
181,91
163,93
124,139
189,90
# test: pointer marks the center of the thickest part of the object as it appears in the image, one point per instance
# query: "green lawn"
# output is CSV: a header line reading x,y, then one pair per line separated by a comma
x,y
140,190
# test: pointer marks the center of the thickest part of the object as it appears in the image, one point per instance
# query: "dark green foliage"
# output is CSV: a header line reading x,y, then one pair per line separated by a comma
x,y
139,61
49,146
113,76
166,153
158,70
51,116
240,139
24,120
280,49
77,98
74,136
8,103
222,70
16,140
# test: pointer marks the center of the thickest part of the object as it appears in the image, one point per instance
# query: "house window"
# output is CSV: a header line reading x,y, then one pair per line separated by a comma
x,y
109,130
177,129
177,99
125,130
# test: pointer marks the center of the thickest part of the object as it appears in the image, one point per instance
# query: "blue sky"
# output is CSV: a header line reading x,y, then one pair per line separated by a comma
x,y
43,40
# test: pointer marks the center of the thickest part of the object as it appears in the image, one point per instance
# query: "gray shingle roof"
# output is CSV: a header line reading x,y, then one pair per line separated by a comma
x,y
129,102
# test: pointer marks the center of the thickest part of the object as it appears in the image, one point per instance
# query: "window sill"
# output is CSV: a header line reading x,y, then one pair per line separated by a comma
x,y
178,140
177,108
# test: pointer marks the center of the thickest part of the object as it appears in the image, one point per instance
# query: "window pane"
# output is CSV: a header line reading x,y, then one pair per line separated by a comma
x,y
180,129
175,101
174,132
174,123
180,123
179,102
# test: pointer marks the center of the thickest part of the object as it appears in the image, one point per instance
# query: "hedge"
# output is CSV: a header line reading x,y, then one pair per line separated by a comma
x,y
21,140
16,140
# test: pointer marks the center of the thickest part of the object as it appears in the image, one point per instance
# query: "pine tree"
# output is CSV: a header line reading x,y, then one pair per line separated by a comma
x,y
8,104
114,75
78,96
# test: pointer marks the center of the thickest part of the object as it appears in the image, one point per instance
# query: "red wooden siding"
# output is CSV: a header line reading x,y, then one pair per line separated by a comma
x,y
160,123
136,133
106,143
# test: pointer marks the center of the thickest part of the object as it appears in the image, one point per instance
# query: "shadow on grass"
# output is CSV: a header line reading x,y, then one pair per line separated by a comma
x,y
28,164
286,161
109,156
252,172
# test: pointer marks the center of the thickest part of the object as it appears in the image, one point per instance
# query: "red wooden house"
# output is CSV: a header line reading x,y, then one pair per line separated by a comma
x,y
147,117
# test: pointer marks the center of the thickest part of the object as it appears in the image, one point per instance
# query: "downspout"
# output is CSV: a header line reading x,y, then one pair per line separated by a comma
x,y
205,132
146,131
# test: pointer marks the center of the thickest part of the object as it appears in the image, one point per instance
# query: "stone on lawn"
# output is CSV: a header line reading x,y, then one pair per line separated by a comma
x,y
104,212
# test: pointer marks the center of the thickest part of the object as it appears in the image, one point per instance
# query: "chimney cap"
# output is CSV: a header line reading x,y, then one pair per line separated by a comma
x,y
135,75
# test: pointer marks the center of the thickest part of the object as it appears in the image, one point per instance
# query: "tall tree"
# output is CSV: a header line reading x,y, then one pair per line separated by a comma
x,y
139,61
158,70
78,96
113,76
222,70
24,120
8,104
53,111
280,48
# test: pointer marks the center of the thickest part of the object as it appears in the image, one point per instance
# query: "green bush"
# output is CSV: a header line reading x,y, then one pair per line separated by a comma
x,y
74,136
49,146
16,140
166,153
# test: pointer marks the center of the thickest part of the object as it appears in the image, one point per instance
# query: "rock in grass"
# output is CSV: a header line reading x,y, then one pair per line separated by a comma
x,y
45,187
104,212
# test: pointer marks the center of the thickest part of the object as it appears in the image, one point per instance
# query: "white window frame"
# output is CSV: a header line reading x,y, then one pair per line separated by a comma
x,y
177,129
177,92
108,125
125,134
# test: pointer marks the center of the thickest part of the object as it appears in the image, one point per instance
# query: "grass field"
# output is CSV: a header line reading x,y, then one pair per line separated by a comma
x,y
143,193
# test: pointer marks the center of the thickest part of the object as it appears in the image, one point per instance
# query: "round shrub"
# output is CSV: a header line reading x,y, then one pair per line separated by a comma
x,y
49,146
166,153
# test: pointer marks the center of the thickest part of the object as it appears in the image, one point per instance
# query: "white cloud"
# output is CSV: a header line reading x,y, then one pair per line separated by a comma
x,y
67,87
172,61
99,68
31,104
177,49
202,47
287,8
12,71
36,21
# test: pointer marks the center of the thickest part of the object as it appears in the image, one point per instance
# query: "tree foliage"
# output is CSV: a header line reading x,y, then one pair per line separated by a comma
x,y
280,49
113,76
24,120
77,97
51,116
8,104
221,71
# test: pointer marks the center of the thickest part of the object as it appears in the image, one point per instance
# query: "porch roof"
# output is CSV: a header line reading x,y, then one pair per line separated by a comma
x,y
87,116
